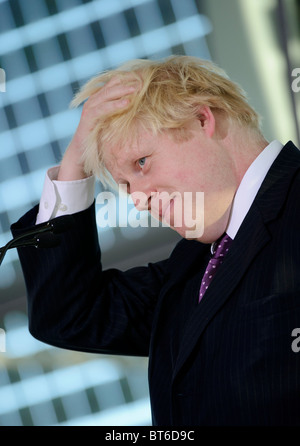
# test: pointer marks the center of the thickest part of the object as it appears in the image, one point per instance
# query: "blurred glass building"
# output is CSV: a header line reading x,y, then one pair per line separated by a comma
x,y
48,49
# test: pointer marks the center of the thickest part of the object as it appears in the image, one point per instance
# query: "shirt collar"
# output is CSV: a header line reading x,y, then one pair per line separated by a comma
x,y
250,185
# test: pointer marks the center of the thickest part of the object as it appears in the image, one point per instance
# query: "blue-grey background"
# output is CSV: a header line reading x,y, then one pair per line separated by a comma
x,y
48,49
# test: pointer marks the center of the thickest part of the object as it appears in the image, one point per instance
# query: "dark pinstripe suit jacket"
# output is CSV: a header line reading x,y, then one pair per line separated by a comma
x,y
228,360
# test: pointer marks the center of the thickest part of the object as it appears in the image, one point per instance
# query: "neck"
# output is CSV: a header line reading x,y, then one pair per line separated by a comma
x,y
244,146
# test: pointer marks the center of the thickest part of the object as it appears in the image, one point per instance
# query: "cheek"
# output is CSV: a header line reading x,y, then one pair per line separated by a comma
x,y
187,180
192,174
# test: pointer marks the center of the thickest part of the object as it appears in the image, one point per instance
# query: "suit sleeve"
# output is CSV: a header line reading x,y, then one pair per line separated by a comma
x,y
74,304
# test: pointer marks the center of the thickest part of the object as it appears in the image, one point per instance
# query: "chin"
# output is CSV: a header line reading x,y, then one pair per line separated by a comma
x,y
211,236
206,236
189,233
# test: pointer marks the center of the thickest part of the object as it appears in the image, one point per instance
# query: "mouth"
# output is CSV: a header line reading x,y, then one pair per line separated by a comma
x,y
162,207
165,213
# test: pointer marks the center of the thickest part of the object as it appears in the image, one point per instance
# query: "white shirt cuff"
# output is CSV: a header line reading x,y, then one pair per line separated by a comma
x,y
64,197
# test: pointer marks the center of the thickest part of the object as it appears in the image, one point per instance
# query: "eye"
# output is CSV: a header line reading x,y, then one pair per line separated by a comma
x,y
142,161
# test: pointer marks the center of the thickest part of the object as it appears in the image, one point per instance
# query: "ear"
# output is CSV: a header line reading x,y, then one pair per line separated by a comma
x,y
207,120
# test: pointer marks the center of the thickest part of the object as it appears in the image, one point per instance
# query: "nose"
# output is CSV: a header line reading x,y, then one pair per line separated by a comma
x,y
141,193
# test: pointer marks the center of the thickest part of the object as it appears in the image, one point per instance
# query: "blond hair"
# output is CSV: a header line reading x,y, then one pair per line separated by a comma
x,y
169,96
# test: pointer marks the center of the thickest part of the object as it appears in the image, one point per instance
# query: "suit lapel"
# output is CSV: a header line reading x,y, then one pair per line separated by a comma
x,y
227,278
250,239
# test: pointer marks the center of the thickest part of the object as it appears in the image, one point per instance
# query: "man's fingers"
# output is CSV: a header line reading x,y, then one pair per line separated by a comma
x,y
113,96
111,105
109,98
101,109
116,88
109,93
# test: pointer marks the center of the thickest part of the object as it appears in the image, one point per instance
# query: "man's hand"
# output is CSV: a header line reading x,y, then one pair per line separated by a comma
x,y
109,98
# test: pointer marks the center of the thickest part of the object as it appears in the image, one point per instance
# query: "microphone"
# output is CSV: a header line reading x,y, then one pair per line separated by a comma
x,y
43,235
47,240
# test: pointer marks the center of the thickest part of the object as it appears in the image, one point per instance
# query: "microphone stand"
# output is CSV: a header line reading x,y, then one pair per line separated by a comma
x,y
42,236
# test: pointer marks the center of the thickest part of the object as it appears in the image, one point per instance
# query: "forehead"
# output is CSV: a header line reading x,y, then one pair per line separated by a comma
x,y
118,155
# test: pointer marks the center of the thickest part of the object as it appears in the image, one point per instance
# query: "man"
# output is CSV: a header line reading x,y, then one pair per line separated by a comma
x,y
220,348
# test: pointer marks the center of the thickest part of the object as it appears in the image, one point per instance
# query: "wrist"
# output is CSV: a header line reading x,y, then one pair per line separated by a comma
x,y
71,167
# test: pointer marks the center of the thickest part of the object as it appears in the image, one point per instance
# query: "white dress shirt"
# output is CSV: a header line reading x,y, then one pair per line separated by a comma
x,y
64,197
67,197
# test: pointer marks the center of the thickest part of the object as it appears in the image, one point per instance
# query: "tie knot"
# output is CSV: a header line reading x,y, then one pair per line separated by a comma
x,y
221,246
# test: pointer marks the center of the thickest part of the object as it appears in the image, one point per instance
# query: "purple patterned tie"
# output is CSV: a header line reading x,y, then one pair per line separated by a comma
x,y
216,260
